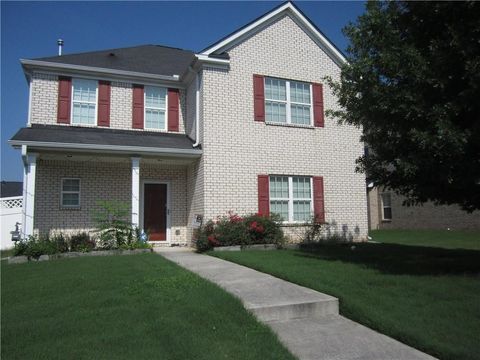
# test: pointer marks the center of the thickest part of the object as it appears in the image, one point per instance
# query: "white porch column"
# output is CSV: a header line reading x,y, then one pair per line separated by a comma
x,y
135,191
29,194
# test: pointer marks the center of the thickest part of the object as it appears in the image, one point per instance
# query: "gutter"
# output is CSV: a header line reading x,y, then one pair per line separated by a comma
x,y
124,73
210,60
197,111
105,148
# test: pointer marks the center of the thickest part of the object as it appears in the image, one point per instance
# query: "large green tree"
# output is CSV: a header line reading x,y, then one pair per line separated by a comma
x,y
412,82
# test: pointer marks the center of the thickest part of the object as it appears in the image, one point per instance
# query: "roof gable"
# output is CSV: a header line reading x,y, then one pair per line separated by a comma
x,y
260,23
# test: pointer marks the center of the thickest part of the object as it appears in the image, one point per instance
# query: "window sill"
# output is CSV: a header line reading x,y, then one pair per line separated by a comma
x,y
386,220
290,125
294,224
70,208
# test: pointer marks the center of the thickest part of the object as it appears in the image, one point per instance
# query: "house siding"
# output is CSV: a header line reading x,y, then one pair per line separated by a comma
x,y
426,216
45,103
237,148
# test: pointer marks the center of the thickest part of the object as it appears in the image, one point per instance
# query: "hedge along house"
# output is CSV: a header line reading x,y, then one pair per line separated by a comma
x,y
179,135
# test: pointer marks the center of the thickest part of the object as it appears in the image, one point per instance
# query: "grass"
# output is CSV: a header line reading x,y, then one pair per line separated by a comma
x,y
426,297
434,238
124,307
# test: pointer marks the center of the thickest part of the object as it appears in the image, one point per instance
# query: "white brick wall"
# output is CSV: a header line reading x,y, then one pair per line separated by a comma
x,y
237,149
45,102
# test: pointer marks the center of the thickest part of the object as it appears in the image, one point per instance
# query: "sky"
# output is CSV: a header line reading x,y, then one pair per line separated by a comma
x,y
30,30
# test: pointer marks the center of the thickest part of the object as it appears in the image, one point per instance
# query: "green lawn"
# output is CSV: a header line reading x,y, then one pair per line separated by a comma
x,y
435,238
124,307
426,297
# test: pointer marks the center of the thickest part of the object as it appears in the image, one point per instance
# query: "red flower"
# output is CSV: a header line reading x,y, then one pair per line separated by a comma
x,y
235,219
213,241
258,228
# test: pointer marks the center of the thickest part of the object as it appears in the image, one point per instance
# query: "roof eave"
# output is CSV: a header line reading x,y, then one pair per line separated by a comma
x,y
75,69
112,149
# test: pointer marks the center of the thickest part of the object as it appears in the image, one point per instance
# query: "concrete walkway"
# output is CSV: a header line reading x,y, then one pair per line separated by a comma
x,y
306,321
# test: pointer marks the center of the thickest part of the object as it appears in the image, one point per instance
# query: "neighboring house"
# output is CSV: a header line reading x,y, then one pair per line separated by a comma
x,y
180,135
10,211
386,211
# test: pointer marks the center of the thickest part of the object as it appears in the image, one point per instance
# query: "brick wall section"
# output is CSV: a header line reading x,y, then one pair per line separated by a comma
x,y
428,216
237,149
101,181
45,102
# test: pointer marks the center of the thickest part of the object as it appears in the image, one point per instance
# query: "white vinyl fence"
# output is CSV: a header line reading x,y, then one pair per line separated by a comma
x,y
10,213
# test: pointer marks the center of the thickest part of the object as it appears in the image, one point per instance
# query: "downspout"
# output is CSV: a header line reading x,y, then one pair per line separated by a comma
x,y
197,111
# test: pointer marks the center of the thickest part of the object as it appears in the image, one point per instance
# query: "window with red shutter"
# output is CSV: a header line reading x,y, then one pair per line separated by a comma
x,y
64,99
137,107
263,195
103,103
318,117
173,111
258,98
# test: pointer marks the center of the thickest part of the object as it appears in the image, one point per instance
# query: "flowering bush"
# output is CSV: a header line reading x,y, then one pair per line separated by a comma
x,y
237,230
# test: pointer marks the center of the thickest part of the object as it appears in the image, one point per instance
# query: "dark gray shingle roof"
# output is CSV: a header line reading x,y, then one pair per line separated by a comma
x,y
150,59
97,136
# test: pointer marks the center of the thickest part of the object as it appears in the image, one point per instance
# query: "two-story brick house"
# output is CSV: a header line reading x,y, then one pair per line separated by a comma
x,y
238,127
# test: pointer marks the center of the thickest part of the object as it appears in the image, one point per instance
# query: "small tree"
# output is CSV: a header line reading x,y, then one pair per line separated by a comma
x,y
112,223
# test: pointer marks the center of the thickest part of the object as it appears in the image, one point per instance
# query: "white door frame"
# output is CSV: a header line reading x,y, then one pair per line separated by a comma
x,y
169,211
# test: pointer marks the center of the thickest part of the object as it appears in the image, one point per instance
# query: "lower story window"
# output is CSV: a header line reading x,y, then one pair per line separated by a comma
x,y
386,206
291,197
70,193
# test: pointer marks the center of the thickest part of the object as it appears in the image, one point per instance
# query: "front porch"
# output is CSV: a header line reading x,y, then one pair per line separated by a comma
x,y
68,170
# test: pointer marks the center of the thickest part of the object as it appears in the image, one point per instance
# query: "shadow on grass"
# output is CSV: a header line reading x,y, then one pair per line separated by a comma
x,y
400,259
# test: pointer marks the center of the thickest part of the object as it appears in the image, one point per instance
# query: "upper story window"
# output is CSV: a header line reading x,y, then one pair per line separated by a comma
x,y
155,107
288,102
291,197
84,102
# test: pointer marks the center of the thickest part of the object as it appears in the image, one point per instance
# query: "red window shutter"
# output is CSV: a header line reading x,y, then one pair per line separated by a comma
x,y
263,195
64,99
318,199
258,98
173,112
104,103
137,115
318,105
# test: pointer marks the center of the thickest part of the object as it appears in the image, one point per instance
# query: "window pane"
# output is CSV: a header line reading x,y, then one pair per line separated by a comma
x,y
83,113
155,97
299,92
302,211
154,119
387,213
279,187
300,114
301,188
280,208
275,112
85,90
275,89
71,199
386,200
71,185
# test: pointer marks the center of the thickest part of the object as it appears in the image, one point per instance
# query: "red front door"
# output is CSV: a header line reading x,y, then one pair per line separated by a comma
x,y
155,211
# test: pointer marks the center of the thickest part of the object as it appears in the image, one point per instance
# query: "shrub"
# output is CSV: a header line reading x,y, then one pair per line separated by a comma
x,y
82,242
36,246
61,242
113,224
237,230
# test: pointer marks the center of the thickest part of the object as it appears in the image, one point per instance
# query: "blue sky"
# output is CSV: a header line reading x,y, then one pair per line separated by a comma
x,y
30,30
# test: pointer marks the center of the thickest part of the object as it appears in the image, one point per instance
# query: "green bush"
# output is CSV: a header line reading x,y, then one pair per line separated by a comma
x,y
36,246
237,230
61,242
112,222
82,242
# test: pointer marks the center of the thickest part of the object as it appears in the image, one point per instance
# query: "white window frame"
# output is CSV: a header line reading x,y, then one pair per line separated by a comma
x,y
288,103
154,108
290,198
383,206
84,102
62,192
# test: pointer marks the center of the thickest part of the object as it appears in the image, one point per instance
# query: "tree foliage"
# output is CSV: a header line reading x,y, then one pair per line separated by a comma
x,y
412,82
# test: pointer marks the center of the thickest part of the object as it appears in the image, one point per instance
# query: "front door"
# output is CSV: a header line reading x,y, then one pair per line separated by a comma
x,y
155,211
